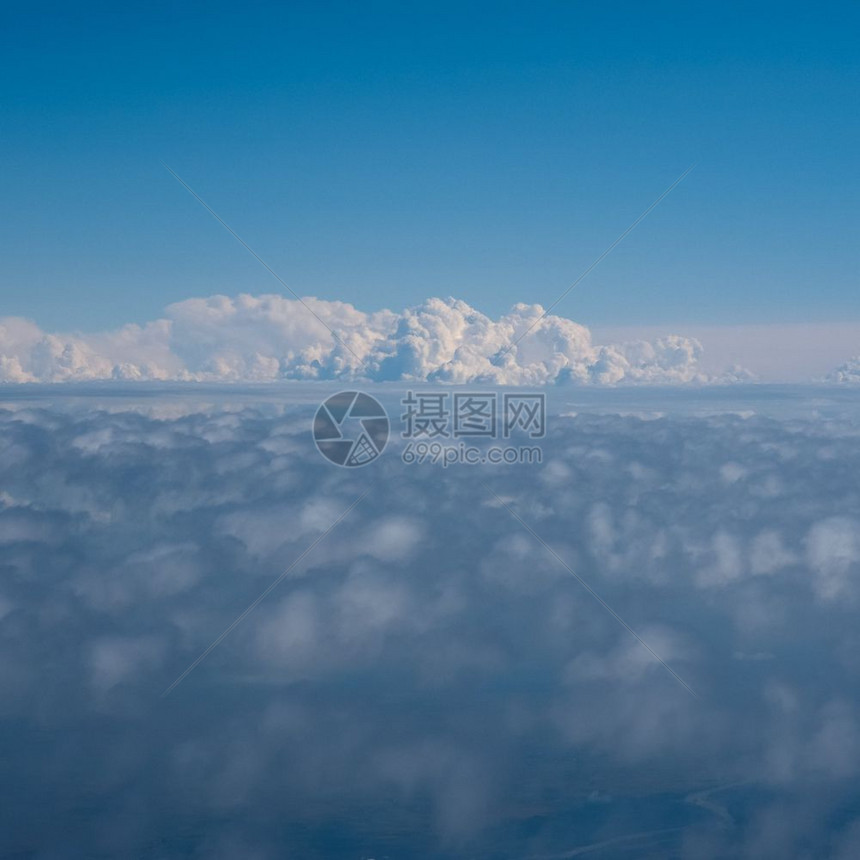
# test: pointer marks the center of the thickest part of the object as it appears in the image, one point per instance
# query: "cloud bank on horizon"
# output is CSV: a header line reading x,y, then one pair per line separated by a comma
x,y
269,337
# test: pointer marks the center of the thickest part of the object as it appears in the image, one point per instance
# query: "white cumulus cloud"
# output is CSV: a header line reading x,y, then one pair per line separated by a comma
x,y
269,337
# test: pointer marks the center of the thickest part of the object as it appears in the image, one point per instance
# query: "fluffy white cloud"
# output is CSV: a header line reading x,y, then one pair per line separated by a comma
x,y
269,337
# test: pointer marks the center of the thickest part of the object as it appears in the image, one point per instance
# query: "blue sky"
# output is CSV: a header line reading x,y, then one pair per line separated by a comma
x,y
383,153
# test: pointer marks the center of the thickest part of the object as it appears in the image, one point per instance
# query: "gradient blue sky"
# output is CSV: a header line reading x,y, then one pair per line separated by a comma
x,y
382,153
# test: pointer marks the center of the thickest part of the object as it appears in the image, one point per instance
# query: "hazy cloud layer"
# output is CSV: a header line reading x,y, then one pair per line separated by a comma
x,y
263,338
429,681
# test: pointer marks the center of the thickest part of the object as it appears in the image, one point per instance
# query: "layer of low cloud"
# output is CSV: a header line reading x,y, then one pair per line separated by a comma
x,y
269,337
429,681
